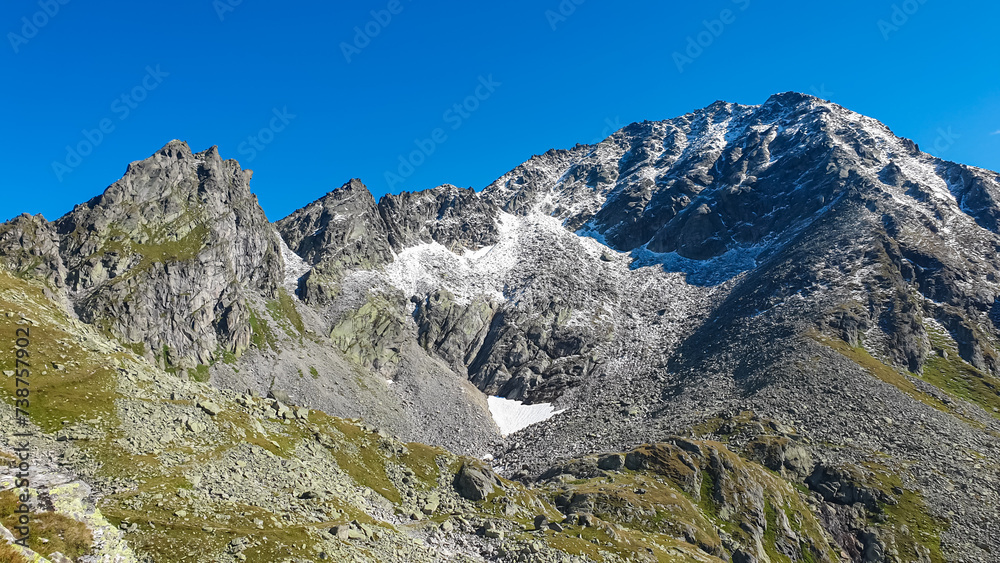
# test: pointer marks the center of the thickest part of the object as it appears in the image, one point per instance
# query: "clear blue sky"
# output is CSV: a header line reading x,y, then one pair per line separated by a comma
x,y
603,66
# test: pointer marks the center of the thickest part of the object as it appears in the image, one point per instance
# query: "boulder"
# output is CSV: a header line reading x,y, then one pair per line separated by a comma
x,y
612,462
474,483
209,407
280,396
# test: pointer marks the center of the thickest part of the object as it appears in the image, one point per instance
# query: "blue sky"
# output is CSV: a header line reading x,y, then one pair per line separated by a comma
x,y
296,93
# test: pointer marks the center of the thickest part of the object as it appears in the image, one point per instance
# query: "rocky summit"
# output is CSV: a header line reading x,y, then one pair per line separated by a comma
x,y
761,333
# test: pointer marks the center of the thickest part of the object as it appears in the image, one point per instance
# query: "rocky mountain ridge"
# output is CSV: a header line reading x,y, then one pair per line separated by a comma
x,y
785,288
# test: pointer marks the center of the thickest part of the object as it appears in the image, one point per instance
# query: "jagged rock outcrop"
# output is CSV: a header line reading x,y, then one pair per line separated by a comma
x,y
453,217
525,350
509,352
169,254
29,246
475,483
756,516
337,233
454,331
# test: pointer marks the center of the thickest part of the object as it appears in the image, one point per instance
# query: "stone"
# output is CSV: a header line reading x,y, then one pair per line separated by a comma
x,y
341,532
473,483
209,407
612,462
280,396
147,274
341,230
430,508
196,426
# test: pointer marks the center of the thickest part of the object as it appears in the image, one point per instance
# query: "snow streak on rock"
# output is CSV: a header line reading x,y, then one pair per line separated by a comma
x,y
295,267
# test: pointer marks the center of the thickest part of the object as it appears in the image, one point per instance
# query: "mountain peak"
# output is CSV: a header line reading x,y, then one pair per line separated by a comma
x,y
791,98
174,149
730,178
150,230
352,187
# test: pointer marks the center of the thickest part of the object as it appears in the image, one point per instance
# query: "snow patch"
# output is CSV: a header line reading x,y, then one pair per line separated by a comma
x,y
425,267
512,416
295,267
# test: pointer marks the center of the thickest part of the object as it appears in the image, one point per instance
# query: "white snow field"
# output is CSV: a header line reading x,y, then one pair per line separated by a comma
x,y
511,416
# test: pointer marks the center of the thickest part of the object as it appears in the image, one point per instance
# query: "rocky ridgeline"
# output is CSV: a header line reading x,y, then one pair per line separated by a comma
x,y
686,292
346,230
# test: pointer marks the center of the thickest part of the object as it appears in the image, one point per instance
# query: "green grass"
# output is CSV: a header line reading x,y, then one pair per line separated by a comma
x,y
715,424
261,336
225,356
957,377
173,539
771,534
285,314
160,246
85,389
953,376
164,355
313,372
422,460
10,555
137,348
59,532
201,374
707,498
910,510
168,538
663,508
357,454
885,373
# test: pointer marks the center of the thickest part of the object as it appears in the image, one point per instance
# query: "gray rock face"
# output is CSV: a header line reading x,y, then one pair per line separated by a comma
x,y
724,189
839,486
453,217
453,331
977,192
339,232
804,223
343,224
346,230
525,349
29,246
682,186
518,191
167,255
